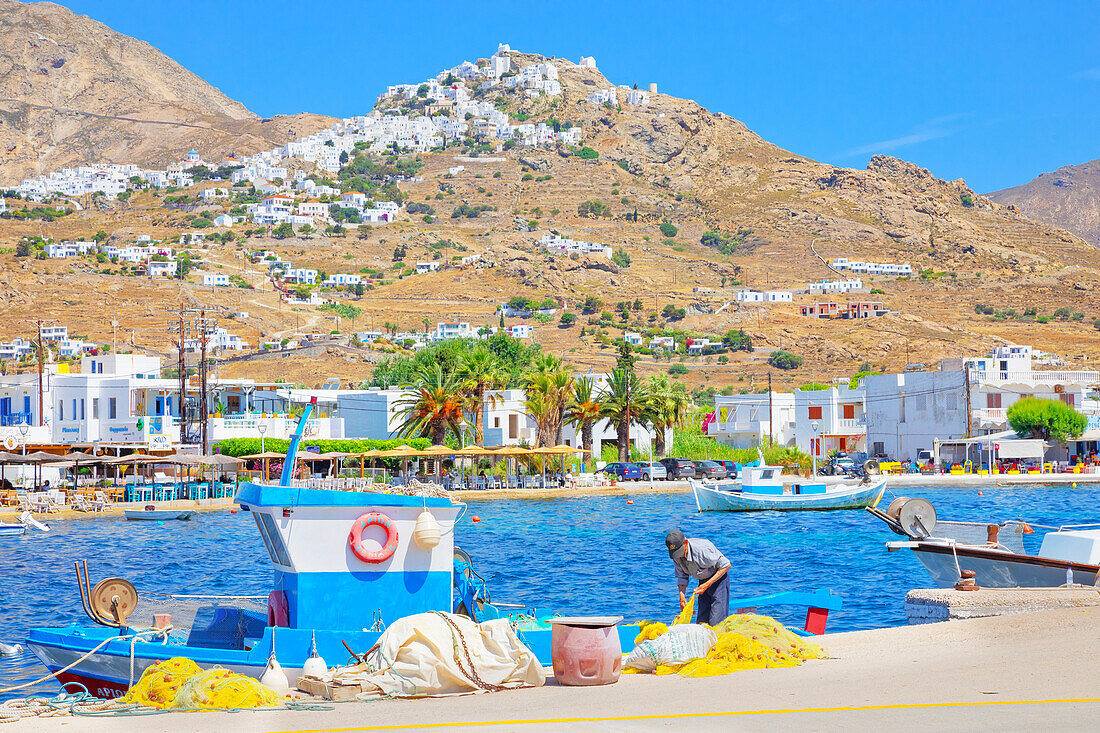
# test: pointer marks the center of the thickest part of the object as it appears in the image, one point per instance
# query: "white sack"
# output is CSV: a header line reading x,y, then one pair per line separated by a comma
x,y
679,645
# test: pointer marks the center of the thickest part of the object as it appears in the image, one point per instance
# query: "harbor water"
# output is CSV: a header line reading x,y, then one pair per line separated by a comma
x,y
585,555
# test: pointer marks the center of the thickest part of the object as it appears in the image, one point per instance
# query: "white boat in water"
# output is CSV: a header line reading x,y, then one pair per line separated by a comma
x,y
762,488
994,552
151,513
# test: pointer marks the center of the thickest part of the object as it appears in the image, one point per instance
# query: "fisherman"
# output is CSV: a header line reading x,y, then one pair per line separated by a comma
x,y
700,559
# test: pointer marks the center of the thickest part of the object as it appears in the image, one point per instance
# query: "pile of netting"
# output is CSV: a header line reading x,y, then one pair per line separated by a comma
x,y
180,684
742,641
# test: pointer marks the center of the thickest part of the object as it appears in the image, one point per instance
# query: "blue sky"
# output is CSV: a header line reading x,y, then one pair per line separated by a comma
x,y
993,92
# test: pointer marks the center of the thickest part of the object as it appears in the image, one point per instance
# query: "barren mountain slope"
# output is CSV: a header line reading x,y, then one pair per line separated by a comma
x,y
73,91
1068,197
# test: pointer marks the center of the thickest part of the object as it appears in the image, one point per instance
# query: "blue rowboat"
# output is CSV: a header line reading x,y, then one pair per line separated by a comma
x,y
761,488
151,513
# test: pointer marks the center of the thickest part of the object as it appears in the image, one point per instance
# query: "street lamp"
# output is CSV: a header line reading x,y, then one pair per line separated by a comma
x,y
24,428
816,445
262,427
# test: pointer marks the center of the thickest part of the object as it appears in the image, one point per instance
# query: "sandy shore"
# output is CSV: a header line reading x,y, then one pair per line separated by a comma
x,y
1026,672
11,514
632,488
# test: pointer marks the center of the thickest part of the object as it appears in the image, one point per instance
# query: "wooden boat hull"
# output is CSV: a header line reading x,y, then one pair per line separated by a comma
x,y
158,515
843,496
994,568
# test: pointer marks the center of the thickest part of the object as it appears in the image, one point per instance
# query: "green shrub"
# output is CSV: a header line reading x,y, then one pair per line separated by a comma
x,y
781,359
669,230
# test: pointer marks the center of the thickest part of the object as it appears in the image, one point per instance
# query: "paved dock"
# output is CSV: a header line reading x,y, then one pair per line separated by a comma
x,y
1034,671
932,605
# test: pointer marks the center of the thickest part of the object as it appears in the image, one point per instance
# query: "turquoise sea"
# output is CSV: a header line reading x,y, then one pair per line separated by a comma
x,y
588,555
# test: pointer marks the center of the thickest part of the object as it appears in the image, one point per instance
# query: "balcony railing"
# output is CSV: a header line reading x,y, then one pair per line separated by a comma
x,y
991,414
1045,377
15,418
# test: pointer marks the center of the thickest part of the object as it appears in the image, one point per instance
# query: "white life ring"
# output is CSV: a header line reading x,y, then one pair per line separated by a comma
x,y
10,442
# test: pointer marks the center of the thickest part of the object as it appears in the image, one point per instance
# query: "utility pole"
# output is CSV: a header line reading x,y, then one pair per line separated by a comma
x,y
204,328
182,329
771,433
966,367
39,349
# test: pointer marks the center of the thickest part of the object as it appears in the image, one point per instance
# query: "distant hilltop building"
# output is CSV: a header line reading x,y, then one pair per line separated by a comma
x,y
587,62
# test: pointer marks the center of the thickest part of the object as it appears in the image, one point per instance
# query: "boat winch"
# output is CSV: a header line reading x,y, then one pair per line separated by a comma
x,y
913,517
110,602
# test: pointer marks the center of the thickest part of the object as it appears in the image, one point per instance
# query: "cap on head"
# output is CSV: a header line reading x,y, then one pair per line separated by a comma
x,y
675,540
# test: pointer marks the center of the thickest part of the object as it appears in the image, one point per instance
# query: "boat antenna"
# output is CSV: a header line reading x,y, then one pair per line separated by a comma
x,y
292,449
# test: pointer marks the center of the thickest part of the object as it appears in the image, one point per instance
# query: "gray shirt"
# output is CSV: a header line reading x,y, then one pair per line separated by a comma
x,y
701,561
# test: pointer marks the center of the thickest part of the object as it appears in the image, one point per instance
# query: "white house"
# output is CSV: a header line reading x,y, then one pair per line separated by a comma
x,y
424,267
300,275
520,331
162,269
747,420
445,331
748,296
906,412
838,414
778,296
215,279
632,338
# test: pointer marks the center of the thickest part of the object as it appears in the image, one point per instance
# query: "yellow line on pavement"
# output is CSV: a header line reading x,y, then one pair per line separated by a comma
x,y
675,716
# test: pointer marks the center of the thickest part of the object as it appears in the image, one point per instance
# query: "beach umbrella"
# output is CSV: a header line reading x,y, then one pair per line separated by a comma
x,y
401,451
437,452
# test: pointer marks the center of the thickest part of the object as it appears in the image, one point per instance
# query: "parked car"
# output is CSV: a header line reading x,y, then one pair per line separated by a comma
x,y
653,469
678,468
838,465
623,471
731,468
709,469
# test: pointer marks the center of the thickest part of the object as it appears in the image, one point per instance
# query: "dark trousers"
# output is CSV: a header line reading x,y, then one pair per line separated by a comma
x,y
712,606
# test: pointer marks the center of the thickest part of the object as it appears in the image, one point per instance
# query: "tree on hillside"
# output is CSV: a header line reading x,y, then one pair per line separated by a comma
x,y
1054,420
737,341
784,360
283,230
669,230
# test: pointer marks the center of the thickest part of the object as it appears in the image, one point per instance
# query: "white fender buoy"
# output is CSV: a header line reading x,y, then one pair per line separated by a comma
x,y
426,532
274,676
314,666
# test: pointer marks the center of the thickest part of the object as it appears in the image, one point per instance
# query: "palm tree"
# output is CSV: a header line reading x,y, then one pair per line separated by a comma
x,y
664,406
479,369
551,380
583,409
435,406
620,404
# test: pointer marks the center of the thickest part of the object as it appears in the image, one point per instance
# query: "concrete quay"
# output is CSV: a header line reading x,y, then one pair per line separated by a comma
x,y
932,605
1031,671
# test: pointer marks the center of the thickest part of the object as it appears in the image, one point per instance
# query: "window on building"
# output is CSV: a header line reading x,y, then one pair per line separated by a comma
x,y
61,409
75,413
112,408
496,421
901,407
95,408
82,409
815,412
993,400
849,412
878,448
1067,398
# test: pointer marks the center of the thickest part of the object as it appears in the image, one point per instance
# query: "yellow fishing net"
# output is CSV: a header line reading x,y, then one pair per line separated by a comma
x,y
181,684
745,641
159,683
224,690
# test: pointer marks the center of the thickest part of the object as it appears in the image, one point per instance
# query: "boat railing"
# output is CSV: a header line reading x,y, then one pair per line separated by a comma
x,y
336,483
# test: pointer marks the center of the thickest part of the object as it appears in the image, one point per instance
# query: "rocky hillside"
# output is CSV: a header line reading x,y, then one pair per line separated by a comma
x,y
1068,197
73,91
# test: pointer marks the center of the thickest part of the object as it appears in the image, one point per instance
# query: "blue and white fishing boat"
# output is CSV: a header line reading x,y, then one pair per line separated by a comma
x,y
761,488
346,564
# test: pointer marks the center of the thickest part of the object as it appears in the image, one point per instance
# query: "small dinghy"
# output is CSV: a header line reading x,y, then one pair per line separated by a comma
x,y
151,513
11,530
